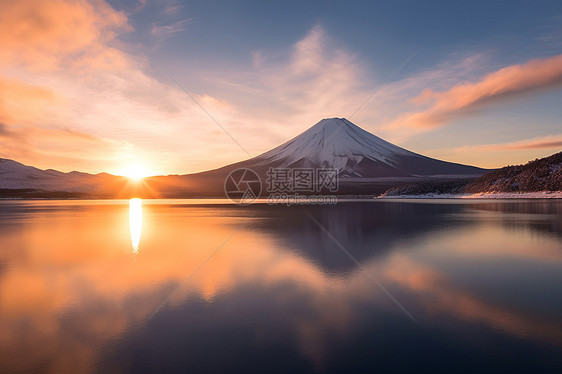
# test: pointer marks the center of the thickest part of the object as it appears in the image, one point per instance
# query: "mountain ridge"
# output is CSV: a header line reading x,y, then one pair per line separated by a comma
x,y
366,164
539,175
544,174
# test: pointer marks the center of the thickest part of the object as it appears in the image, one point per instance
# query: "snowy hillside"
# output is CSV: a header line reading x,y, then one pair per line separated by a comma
x,y
541,178
543,174
14,175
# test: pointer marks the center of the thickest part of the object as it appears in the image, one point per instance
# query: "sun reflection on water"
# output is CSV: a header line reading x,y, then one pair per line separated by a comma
x,y
135,222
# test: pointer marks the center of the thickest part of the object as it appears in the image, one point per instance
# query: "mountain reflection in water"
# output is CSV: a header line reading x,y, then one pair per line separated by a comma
x,y
479,277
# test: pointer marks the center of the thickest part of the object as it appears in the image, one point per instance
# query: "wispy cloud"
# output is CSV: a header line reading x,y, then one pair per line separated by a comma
x,y
553,142
46,35
465,97
292,89
169,19
500,154
171,29
6,132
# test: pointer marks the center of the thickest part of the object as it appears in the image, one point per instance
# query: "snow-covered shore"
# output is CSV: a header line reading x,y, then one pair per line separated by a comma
x,y
483,195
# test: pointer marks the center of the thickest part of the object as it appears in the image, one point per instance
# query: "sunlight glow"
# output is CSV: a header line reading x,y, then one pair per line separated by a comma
x,y
135,222
136,172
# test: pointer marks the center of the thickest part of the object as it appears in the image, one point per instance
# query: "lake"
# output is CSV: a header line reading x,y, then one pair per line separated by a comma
x,y
207,286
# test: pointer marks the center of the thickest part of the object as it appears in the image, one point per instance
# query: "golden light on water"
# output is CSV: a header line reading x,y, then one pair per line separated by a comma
x,y
135,222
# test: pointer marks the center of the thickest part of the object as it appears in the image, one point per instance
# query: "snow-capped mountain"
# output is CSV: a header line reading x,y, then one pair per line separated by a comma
x,y
356,153
366,164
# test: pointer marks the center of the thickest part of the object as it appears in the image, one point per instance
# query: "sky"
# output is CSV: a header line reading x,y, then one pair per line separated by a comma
x,y
179,87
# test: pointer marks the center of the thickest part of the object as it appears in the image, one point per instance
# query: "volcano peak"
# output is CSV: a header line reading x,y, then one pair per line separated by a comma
x,y
342,145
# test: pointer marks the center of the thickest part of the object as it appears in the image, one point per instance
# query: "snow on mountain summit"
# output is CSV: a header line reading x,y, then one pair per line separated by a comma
x,y
338,143
334,138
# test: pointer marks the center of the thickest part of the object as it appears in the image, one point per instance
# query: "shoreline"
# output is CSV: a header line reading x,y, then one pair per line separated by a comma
x,y
482,195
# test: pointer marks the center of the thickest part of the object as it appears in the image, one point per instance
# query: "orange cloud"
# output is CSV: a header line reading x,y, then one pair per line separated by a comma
x,y
61,68
60,145
545,142
464,97
44,42
5,131
551,141
46,34
19,99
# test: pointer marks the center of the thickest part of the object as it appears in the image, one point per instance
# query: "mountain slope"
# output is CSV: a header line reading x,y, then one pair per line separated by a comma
x,y
356,153
14,175
543,174
540,175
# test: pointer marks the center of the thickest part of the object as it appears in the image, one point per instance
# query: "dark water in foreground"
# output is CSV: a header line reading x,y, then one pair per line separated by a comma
x,y
93,286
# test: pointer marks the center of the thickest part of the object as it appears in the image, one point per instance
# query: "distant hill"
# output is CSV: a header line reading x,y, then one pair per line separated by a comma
x,y
21,181
543,174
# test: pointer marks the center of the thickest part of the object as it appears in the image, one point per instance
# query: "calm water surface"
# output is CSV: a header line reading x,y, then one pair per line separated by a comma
x,y
178,286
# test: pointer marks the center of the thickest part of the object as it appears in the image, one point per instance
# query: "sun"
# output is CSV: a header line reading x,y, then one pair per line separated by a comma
x,y
136,172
